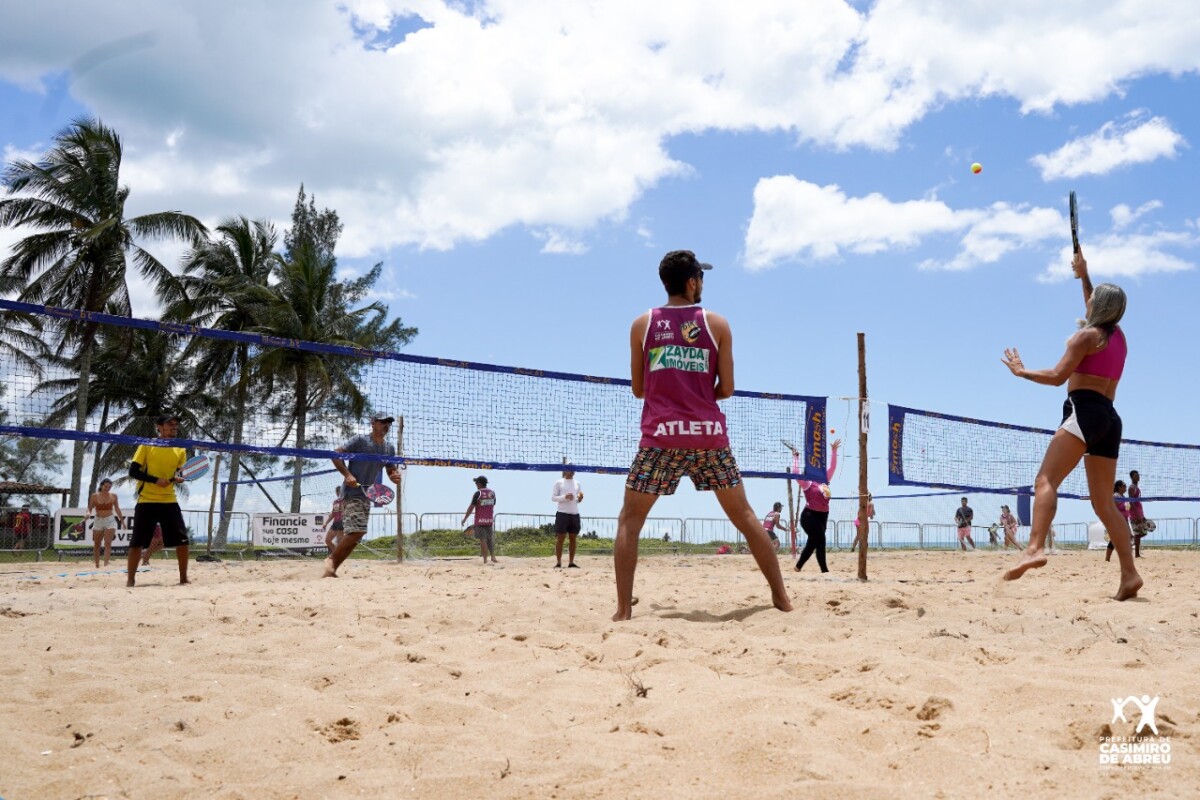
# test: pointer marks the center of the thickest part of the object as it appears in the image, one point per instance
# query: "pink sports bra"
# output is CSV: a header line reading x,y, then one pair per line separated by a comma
x,y
1109,362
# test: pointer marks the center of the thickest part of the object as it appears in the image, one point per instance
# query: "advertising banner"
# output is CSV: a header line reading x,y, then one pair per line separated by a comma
x,y
304,532
68,530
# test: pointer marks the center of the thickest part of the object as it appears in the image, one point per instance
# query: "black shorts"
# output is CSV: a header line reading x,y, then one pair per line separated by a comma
x,y
1090,416
566,523
168,515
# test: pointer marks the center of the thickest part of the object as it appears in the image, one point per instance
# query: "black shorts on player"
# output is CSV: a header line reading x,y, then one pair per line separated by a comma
x,y
566,523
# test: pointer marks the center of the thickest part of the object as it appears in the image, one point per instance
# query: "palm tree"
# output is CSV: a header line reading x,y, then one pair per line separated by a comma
x,y
312,305
74,199
134,380
224,285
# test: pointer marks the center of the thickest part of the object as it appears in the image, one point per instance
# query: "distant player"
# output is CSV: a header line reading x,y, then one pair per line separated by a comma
x,y
567,494
1137,515
105,511
483,504
964,515
1091,367
771,522
681,363
334,525
814,519
870,516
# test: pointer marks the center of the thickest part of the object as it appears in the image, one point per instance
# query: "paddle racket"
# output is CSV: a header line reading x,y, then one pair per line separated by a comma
x,y
469,531
195,467
379,495
1074,223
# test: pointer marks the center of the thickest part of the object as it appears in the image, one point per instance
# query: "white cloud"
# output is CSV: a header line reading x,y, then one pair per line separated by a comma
x,y
797,220
1135,140
1123,217
545,116
557,242
1115,255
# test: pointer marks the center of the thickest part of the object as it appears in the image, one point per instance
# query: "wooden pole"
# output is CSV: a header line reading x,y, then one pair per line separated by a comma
x,y
400,495
791,515
212,502
863,522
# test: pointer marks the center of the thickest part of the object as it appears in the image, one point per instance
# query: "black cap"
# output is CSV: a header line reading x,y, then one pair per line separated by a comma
x,y
682,264
163,419
382,417
481,480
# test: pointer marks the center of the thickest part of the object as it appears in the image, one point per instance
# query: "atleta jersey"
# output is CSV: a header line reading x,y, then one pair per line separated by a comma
x,y
679,372
485,506
160,462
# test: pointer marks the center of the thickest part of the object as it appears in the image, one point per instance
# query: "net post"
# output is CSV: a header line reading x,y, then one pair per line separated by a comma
x,y
862,533
400,495
791,516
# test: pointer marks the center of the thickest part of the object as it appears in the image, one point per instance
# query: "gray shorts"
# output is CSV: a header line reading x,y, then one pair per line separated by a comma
x,y
356,512
484,533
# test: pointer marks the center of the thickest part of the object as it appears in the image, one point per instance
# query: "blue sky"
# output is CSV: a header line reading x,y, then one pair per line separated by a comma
x,y
521,168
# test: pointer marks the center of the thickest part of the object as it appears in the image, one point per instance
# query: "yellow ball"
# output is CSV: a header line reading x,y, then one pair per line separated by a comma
x,y
977,168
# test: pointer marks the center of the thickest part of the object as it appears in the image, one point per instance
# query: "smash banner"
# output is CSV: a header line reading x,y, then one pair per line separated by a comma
x,y
816,442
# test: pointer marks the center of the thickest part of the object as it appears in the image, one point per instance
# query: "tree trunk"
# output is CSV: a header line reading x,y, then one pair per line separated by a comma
x,y
99,447
81,406
235,458
301,418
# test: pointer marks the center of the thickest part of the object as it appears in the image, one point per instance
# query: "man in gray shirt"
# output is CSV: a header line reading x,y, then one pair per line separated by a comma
x,y
359,474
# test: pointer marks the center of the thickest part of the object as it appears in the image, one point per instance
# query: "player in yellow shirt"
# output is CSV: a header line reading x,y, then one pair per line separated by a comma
x,y
155,469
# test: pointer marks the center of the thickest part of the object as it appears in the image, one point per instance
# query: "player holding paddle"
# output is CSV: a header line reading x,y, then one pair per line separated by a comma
x,y
156,501
362,488
1091,367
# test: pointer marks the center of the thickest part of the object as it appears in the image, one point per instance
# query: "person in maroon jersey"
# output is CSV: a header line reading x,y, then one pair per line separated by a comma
x,y
681,362
483,504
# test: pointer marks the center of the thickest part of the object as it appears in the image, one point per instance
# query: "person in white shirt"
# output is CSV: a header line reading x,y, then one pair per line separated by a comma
x,y
567,495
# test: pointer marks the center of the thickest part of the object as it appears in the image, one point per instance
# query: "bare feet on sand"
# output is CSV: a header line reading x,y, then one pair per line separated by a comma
x,y
1029,560
1129,588
783,604
621,616
330,570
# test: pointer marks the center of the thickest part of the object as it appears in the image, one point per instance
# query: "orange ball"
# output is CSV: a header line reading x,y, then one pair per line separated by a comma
x,y
977,168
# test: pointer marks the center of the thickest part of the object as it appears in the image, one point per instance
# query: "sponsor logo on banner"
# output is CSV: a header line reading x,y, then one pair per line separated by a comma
x,y
1142,746
302,532
70,530
687,359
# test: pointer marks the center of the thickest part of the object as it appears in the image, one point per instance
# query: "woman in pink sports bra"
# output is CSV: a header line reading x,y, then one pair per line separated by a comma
x,y
1091,367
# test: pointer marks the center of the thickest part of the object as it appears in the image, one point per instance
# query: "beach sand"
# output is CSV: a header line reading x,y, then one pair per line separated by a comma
x,y
449,679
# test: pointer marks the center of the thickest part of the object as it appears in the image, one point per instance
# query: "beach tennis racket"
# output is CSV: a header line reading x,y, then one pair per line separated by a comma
x,y
1074,222
380,495
195,467
469,531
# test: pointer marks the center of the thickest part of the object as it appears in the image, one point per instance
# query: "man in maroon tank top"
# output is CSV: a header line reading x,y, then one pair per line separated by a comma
x,y
681,361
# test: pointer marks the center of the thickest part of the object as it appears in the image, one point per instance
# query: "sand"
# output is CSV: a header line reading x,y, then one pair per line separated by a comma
x,y
448,679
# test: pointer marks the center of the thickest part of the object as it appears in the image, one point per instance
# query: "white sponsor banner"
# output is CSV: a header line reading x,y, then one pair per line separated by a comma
x,y
69,530
292,531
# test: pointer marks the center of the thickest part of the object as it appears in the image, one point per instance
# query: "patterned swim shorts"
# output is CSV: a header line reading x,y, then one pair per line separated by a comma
x,y
657,471
356,512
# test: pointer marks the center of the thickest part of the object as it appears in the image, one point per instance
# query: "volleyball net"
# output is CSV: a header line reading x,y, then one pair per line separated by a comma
x,y
931,449
456,413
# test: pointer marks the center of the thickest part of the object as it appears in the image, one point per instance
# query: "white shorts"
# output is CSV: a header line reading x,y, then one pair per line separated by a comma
x,y
101,524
